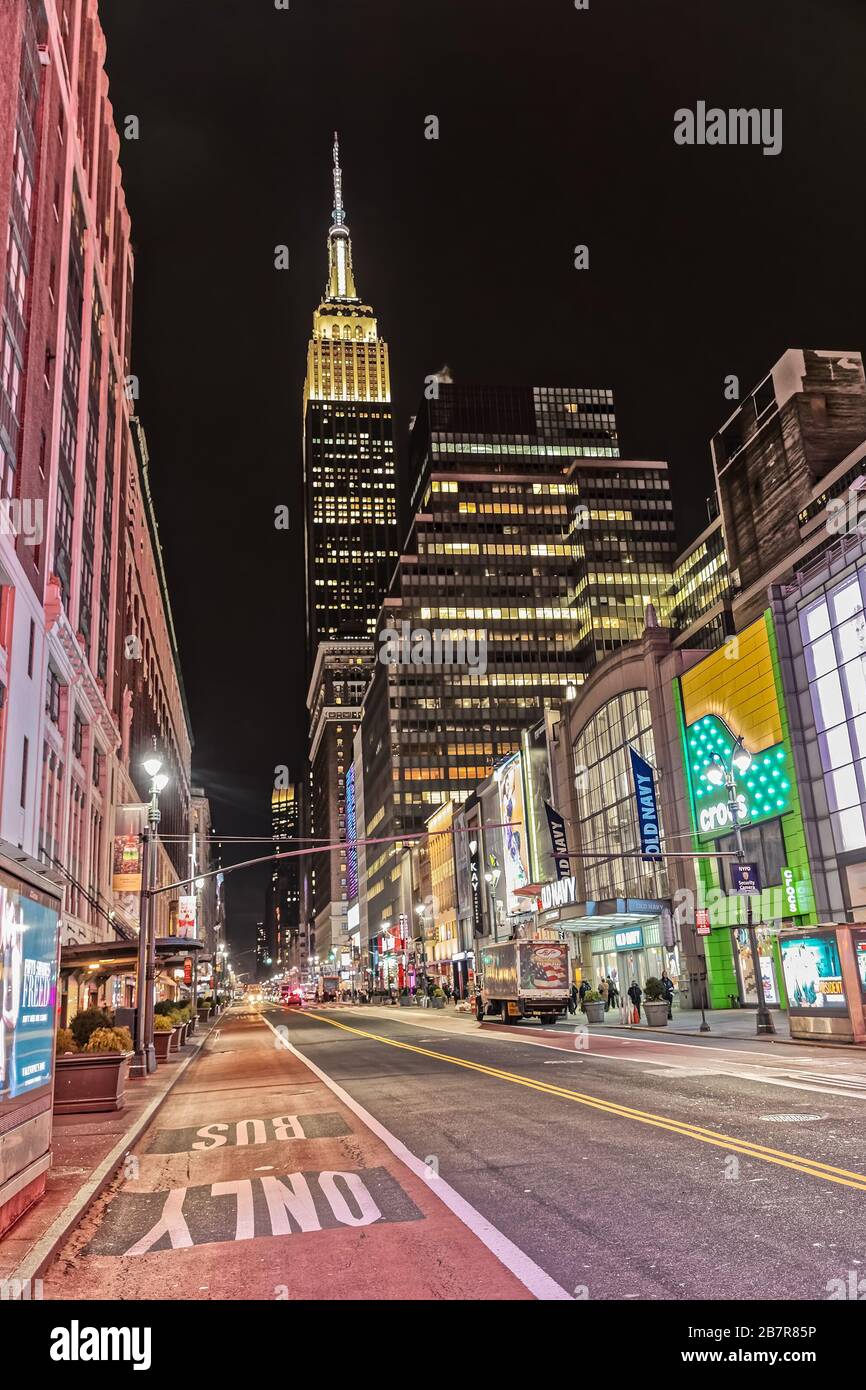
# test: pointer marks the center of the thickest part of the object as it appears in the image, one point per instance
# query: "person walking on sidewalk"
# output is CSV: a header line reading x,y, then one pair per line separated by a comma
x,y
635,994
612,993
668,990
572,999
603,991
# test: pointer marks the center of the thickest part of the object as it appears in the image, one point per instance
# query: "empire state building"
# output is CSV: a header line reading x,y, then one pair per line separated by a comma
x,y
349,470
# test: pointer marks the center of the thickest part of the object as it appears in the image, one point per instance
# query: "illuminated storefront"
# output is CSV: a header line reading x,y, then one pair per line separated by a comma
x,y
627,911
736,692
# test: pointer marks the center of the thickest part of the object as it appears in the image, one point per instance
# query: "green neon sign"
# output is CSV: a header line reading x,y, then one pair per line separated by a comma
x,y
763,792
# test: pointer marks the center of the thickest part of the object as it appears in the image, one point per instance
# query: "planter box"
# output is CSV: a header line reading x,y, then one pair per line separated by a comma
x,y
656,1011
594,1011
438,1003
90,1081
183,1029
190,1027
407,1002
203,1015
162,1044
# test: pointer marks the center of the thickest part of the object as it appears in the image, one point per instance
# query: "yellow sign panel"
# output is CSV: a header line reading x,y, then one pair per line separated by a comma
x,y
737,683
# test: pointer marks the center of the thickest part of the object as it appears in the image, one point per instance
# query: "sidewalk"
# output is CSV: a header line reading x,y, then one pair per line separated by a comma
x,y
86,1152
723,1023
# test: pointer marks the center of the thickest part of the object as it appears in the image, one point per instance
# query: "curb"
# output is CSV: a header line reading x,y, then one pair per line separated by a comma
x,y
40,1256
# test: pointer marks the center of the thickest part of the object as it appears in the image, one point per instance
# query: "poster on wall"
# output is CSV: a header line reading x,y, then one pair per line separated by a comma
x,y
29,934
126,866
746,969
860,953
541,853
813,973
186,915
514,833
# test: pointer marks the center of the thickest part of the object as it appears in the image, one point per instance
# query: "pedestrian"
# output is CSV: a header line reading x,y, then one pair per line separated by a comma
x,y
572,999
635,994
612,993
668,990
584,989
602,989
429,989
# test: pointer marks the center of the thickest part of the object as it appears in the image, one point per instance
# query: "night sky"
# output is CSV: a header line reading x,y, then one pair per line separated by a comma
x,y
556,128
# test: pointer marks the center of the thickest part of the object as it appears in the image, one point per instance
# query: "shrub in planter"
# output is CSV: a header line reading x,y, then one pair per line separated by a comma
x,y
109,1040
65,1042
93,1078
163,1032
593,1006
87,1021
655,1003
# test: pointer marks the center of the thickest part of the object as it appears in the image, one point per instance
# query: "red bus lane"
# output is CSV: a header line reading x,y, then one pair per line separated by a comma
x,y
255,1181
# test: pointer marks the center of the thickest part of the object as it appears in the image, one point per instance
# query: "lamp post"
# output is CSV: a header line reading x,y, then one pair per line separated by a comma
x,y
144,1060
718,774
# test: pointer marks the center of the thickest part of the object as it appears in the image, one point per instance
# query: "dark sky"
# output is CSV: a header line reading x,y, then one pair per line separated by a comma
x,y
556,128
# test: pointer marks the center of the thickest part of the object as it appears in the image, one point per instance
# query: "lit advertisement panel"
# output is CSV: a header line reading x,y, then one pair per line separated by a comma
x,y
514,837
859,939
29,935
813,973
351,836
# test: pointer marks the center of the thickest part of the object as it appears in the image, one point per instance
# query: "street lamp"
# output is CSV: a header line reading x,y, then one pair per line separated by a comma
x,y
718,774
144,1060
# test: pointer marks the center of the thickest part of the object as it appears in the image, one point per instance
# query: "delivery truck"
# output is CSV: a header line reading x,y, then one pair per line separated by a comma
x,y
523,979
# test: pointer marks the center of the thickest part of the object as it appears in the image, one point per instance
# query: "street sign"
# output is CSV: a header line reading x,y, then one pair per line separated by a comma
x,y
702,921
745,879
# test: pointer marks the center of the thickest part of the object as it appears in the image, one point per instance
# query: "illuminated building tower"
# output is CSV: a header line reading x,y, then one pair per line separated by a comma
x,y
349,479
282,919
531,540
351,549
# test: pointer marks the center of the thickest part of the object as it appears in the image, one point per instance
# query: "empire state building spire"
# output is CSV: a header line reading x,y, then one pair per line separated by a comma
x,y
341,280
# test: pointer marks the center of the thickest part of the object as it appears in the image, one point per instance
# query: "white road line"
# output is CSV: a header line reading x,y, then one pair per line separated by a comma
x,y
531,1275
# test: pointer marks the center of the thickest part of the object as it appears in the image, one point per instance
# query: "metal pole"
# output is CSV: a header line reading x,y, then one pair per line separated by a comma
x,y
153,819
764,1021
139,1061
705,1027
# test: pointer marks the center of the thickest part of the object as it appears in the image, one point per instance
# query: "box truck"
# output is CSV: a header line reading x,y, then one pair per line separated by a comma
x,y
523,979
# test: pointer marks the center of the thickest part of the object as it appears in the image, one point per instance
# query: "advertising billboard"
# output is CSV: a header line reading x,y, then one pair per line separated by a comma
x,y
514,837
541,856
29,937
186,915
813,973
859,940
126,858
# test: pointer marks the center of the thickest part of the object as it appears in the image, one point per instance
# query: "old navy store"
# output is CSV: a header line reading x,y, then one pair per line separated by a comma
x,y
620,937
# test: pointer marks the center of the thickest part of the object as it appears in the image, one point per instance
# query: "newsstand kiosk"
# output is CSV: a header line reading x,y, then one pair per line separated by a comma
x,y
30,915
825,976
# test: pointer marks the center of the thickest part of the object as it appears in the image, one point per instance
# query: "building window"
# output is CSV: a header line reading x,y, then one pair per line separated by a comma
x,y
30,648
52,696
24,759
78,736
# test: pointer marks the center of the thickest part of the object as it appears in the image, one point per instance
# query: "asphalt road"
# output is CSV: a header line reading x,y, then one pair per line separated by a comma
x,y
351,1154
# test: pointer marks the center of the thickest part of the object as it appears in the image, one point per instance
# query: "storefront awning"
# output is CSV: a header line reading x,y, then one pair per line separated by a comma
x,y
606,913
121,957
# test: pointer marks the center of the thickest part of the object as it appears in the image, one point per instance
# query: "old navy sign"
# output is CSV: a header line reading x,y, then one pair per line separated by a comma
x,y
559,841
560,893
647,806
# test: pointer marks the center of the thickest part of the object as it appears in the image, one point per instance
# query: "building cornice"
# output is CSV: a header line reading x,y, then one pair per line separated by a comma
x,y
62,635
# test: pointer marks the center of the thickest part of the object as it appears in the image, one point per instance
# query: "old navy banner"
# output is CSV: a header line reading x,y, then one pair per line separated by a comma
x,y
559,840
647,806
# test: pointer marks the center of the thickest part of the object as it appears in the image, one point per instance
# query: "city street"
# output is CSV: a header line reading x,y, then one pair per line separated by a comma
x,y
356,1153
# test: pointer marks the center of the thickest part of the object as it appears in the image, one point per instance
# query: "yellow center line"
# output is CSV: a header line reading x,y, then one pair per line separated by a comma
x,y
812,1167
